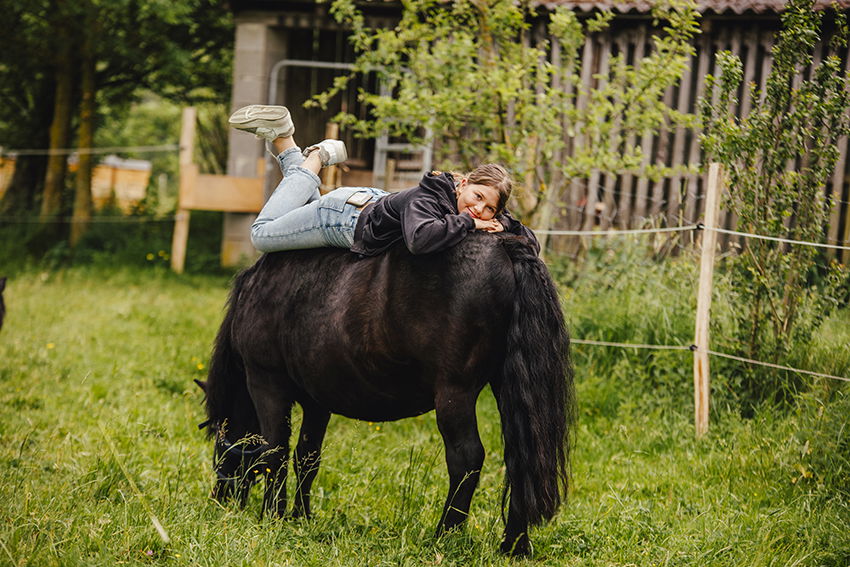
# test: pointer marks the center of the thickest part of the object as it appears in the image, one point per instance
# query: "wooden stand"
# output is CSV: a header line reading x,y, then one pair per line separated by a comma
x,y
204,192
180,238
330,175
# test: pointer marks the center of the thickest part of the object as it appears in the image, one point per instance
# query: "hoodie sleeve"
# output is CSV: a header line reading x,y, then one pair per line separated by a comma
x,y
427,227
513,226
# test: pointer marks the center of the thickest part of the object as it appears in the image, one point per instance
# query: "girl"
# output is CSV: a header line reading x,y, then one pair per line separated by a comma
x,y
433,216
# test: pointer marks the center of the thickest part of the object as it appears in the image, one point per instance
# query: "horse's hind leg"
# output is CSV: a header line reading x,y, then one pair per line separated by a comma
x,y
308,455
274,409
464,453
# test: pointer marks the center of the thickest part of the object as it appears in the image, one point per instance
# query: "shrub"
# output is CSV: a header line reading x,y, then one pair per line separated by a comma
x,y
778,303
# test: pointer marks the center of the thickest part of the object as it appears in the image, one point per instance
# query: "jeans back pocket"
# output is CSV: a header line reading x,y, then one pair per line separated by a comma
x,y
338,198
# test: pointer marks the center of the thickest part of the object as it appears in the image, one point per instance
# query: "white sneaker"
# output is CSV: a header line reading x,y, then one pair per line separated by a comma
x,y
267,122
331,152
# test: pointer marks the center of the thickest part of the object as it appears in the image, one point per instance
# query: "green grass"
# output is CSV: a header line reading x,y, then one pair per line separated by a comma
x,y
96,395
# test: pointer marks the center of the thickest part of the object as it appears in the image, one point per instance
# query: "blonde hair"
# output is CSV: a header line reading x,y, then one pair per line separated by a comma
x,y
492,175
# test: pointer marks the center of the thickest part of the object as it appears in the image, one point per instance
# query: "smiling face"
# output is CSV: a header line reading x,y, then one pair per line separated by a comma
x,y
478,201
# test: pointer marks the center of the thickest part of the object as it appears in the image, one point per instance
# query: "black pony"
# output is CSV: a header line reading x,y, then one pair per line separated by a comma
x,y
390,337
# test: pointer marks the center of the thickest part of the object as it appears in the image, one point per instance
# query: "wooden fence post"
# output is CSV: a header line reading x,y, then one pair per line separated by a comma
x,y
181,220
845,255
706,275
330,176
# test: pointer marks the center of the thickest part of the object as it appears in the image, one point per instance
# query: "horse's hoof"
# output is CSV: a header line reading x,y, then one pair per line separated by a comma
x,y
221,493
299,515
520,547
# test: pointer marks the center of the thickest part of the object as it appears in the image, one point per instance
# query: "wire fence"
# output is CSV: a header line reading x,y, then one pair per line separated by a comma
x,y
692,347
616,232
774,238
119,219
629,345
99,150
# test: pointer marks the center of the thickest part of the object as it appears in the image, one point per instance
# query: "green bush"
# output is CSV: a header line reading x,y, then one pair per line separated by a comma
x,y
819,459
620,293
782,292
138,240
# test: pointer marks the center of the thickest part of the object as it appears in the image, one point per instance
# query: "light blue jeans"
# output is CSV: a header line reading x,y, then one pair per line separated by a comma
x,y
297,216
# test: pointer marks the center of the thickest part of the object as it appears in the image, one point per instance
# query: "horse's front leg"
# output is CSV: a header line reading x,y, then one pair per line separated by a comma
x,y
274,410
308,452
464,454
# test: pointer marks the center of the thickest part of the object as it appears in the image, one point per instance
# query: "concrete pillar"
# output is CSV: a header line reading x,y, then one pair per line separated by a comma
x,y
258,47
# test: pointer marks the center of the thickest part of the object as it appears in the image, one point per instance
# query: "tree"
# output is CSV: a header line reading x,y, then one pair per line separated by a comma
x,y
82,208
779,158
118,49
468,76
59,14
27,90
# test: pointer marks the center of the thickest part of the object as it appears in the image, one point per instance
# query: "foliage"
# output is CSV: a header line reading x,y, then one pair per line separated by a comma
x,y
153,121
139,240
150,121
470,76
820,454
179,50
619,293
778,159
212,138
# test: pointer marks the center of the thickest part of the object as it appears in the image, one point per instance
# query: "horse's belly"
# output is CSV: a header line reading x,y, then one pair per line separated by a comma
x,y
380,412
375,397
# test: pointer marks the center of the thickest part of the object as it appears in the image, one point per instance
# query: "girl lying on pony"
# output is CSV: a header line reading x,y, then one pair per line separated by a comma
x,y
431,217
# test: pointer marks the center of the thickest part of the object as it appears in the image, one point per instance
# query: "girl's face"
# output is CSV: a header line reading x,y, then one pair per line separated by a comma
x,y
478,201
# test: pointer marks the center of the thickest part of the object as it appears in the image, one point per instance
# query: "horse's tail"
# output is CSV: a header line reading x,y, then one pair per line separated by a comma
x,y
535,392
226,389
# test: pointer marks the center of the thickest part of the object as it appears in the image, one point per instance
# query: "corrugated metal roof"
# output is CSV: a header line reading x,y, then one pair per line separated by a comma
x,y
717,6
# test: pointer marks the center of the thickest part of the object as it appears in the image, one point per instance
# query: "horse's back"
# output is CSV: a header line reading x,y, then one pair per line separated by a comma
x,y
373,338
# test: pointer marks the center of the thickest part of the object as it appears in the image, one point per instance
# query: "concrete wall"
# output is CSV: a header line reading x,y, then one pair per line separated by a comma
x,y
259,46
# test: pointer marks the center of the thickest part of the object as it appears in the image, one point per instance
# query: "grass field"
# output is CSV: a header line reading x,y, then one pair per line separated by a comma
x,y
98,417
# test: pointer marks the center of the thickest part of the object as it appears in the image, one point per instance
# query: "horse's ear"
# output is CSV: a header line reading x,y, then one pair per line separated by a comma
x,y
2,284
201,384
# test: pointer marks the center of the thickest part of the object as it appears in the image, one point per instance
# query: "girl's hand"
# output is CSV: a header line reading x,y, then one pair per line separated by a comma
x,y
492,225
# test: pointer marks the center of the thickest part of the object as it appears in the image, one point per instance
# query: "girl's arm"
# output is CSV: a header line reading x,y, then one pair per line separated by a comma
x,y
426,228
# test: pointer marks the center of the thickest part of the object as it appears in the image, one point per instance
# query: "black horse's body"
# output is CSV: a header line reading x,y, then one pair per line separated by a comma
x,y
390,337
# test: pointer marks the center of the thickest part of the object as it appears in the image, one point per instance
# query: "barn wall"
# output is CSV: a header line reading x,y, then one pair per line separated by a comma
x,y
606,201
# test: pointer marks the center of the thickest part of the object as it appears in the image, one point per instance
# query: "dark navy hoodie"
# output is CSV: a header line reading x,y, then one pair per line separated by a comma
x,y
425,217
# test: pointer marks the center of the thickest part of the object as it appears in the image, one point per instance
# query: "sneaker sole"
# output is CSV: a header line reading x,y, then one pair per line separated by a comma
x,y
258,112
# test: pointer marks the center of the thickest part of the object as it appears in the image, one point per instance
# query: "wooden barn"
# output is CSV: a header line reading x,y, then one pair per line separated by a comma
x,y
288,50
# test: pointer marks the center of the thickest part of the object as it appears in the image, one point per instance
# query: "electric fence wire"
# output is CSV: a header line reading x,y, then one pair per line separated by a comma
x,y
616,232
94,220
771,365
773,238
700,226
102,150
628,345
694,348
